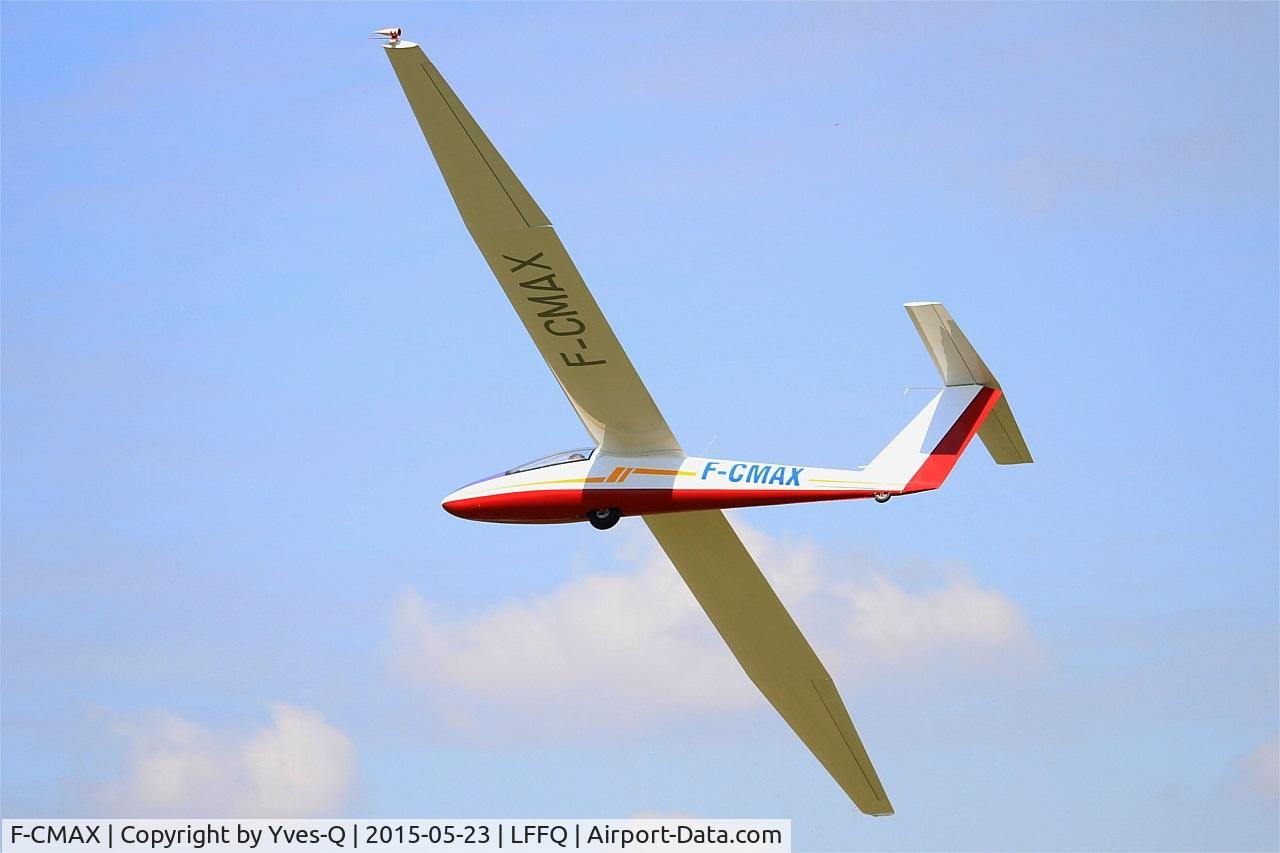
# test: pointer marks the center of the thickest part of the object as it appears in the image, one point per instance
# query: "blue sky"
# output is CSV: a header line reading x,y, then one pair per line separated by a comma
x,y
248,345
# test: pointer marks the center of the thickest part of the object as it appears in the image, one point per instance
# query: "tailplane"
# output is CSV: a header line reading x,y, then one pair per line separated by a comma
x,y
960,364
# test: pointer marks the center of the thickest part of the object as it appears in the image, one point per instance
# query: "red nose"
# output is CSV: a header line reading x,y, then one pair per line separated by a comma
x,y
519,507
456,507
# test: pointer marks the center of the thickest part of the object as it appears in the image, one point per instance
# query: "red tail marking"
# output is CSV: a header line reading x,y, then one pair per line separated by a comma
x,y
943,458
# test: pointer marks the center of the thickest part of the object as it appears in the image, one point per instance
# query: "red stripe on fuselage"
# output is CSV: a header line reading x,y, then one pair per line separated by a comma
x,y
943,458
545,505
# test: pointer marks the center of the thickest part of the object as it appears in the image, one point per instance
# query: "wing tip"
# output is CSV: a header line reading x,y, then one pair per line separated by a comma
x,y
878,807
872,807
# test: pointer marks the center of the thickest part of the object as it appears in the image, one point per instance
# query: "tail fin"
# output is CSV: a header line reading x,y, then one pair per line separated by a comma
x,y
922,455
960,364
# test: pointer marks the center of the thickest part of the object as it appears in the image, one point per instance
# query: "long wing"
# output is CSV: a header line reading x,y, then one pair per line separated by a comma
x,y
531,264
765,640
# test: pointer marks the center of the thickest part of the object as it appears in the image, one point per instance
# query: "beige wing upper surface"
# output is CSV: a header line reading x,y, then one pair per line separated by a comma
x,y
765,640
533,268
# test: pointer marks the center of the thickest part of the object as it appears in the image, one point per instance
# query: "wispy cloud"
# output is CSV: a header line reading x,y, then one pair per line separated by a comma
x,y
612,649
298,765
1258,772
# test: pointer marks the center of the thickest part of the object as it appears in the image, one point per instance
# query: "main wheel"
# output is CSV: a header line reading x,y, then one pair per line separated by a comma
x,y
603,519
882,497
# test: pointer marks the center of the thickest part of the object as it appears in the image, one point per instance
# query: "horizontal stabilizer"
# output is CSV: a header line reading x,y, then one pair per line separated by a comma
x,y
960,364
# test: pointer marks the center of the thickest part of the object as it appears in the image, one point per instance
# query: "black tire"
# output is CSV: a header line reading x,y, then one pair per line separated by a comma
x,y
603,519
882,497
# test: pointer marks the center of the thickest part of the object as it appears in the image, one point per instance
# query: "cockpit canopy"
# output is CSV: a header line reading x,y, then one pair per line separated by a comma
x,y
560,458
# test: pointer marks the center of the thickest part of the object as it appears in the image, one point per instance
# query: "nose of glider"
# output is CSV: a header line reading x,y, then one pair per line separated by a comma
x,y
464,502
456,503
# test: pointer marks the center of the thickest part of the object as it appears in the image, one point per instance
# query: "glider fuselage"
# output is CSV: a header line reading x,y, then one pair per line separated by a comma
x,y
642,485
562,488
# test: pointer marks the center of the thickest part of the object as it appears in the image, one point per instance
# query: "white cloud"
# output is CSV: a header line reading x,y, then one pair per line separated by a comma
x,y
620,649
1258,771
899,626
299,765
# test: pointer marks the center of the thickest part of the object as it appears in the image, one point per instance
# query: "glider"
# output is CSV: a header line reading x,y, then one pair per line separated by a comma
x,y
636,467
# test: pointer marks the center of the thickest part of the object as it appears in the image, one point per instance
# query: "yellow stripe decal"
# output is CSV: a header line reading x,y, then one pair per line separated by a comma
x,y
617,475
547,483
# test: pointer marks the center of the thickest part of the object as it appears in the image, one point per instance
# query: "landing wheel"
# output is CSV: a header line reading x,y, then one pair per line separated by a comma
x,y
882,497
603,519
